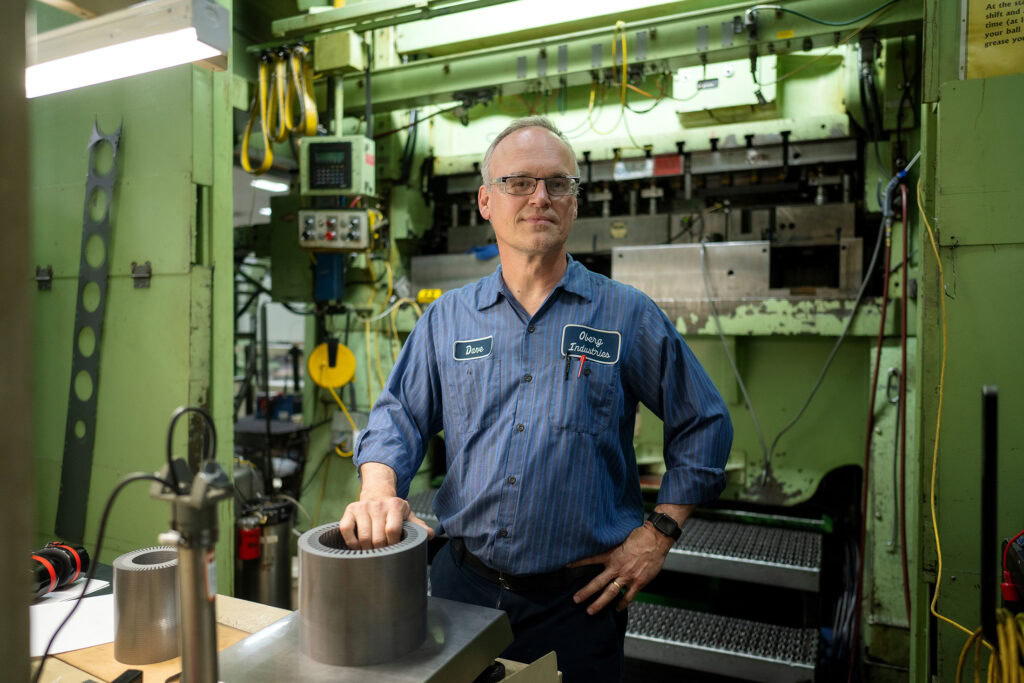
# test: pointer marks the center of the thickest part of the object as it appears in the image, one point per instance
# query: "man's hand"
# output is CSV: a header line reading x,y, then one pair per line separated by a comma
x,y
375,520
630,566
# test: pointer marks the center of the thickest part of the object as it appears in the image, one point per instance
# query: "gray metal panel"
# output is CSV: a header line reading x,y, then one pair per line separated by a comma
x,y
461,641
672,273
462,237
706,642
812,224
448,271
603,234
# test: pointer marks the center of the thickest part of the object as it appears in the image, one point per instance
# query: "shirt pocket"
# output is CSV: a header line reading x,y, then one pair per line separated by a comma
x,y
473,389
584,402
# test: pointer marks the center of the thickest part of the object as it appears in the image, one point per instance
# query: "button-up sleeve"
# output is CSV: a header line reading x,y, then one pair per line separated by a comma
x,y
409,409
663,373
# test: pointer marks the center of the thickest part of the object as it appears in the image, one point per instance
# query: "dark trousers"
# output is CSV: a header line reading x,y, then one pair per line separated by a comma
x,y
589,648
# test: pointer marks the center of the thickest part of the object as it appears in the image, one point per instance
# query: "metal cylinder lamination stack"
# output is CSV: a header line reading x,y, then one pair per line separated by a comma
x,y
146,606
361,607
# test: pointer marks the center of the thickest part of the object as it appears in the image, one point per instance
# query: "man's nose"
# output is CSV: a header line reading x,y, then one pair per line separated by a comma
x,y
540,196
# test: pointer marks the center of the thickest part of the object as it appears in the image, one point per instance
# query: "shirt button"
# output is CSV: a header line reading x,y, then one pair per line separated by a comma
x,y
520,427
528,378
503,533
531,328
511,480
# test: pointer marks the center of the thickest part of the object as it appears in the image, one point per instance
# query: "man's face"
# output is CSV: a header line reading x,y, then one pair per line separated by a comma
x,y
538,223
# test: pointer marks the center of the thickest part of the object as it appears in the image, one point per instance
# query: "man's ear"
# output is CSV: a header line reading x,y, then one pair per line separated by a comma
x,y
483,202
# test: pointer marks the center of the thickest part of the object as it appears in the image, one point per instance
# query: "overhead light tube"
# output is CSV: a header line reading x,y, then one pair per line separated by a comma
x,y
139,39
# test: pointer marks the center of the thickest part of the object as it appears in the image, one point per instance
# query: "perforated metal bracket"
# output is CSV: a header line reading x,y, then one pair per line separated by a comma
x,y
93,273
141,274
44,278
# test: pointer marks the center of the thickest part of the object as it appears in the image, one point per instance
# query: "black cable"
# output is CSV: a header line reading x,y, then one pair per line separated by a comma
x,y
808,17
689,228
209,444
138,476
418,122
312,477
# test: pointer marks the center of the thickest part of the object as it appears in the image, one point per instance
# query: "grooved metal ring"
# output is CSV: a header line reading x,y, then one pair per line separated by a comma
x,y
146,606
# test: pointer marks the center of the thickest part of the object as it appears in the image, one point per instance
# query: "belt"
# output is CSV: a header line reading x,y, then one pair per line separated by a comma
x,y
517,583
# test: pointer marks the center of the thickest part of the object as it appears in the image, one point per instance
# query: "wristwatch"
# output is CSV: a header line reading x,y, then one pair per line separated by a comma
x,y
665,525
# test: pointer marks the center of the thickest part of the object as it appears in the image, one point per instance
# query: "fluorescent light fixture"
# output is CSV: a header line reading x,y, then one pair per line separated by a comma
x,y
265,211
145,37
268,185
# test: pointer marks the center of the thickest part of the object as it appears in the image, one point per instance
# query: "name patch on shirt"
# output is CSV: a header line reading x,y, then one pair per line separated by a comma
x,y
472,349
600,346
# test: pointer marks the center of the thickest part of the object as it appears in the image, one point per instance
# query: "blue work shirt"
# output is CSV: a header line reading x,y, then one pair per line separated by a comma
x,y
541,467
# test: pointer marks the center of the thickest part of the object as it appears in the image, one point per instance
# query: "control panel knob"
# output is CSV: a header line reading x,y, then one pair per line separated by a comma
x,y
330,235
331,222
307,235
353,223
309,221
353,235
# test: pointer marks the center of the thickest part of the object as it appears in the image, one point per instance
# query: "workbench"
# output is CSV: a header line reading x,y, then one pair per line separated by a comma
x,y
236,619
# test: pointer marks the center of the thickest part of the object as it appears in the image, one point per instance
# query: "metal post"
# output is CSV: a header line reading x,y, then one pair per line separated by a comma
x,y
989,510
197,588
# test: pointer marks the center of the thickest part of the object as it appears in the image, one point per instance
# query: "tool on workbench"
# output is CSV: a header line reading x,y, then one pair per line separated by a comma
x,y
194,532
57,565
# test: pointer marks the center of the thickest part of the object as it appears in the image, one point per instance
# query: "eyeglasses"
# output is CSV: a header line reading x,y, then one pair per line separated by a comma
x,y
523,185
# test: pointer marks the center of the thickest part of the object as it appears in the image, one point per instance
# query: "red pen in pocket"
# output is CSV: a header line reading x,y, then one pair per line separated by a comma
x,y
583,359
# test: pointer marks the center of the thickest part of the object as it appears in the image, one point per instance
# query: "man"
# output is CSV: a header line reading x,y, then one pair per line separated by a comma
x,y
534,373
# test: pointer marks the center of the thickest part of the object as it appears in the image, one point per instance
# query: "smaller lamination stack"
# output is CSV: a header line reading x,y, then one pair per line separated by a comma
x,y
376,610
146,606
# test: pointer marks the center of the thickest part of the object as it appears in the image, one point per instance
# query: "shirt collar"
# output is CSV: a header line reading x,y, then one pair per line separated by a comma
x,y
574,281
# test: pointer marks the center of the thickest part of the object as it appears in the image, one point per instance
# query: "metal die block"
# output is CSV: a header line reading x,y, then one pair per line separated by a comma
x,y
851,265
603,234
334,230
811,224
463,237
750,225
340,51
671,274
448,271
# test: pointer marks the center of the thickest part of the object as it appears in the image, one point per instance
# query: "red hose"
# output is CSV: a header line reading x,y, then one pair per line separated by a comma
x,y
867,453
903,407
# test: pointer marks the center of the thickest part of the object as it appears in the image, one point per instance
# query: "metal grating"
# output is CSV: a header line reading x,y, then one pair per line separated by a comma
x,y
789,558
708,642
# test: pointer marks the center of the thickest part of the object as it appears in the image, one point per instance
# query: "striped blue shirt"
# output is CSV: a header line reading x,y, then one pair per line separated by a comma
x,y
541,467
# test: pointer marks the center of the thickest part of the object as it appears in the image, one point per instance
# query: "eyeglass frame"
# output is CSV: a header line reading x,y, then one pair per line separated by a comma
x,y
501,180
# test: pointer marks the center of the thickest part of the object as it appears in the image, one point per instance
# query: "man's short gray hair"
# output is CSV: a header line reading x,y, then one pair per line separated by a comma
x,y
519,124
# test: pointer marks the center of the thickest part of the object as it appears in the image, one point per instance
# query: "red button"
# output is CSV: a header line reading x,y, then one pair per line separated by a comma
x,y
330,235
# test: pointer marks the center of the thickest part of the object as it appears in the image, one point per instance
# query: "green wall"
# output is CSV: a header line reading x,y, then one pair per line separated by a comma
x,y
162,347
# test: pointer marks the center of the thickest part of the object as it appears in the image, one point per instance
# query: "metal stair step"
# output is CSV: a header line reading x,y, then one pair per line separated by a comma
x,y
788,558
773,556
725,645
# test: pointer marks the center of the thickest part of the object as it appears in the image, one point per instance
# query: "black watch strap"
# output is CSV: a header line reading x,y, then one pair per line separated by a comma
x,y
665,525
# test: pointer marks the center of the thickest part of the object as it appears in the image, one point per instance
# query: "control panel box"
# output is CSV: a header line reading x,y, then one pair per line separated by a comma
x,y
334,230
337,165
